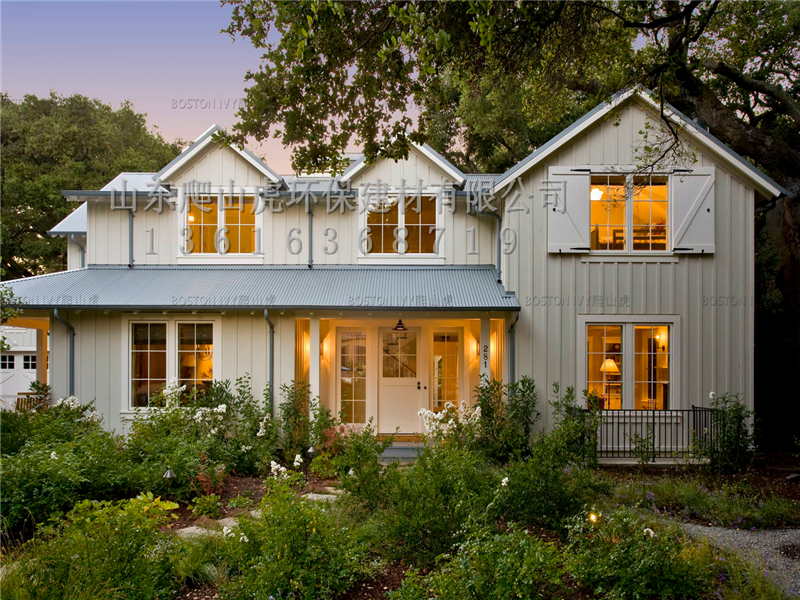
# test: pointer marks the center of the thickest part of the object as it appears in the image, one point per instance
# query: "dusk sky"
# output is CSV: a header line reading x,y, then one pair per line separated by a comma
x,y
158,55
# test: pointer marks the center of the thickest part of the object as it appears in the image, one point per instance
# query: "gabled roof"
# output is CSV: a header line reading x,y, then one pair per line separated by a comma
x,y
73,224
765,184
359,164
340,287
203,142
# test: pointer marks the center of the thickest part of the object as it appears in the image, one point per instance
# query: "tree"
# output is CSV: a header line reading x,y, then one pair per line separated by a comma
x,y
489,81
56,143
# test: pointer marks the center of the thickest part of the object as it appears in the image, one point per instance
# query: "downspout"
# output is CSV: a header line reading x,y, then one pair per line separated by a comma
x,y
75,241
512,343
71,330
499,219
310,236
271,361
130,238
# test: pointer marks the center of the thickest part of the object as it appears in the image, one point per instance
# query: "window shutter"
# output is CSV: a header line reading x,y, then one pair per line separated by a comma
x,y
567,202
693,211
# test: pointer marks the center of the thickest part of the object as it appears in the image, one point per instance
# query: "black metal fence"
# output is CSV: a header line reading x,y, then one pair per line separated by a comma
x,y
654,434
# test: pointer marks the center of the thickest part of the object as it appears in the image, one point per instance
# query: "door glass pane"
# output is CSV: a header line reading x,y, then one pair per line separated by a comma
x,y
604,364
445,369
399,352
651,367
353,376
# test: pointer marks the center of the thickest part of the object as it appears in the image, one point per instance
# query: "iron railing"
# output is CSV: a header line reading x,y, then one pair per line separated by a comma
x,y
654,434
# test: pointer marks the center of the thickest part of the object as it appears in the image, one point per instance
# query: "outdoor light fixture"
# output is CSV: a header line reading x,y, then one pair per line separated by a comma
x,y
399,326
169,474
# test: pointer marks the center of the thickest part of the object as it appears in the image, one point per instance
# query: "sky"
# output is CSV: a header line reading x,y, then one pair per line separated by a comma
x,y
168,58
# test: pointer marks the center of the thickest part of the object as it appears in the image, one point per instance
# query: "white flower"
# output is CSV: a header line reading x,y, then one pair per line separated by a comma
x,y
246,448
649,532
213,431
227,531
298,460
352,473
504,483
712,396
243,538
221,409
53,455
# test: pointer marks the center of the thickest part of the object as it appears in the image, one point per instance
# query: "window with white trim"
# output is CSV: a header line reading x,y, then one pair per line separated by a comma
x,y
629,213
353,376
195,355
412,230
29,362
628,365
211,229
148,366
7,361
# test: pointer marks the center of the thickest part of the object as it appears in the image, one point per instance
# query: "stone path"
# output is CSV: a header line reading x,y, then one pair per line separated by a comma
x,y
763,545
205,526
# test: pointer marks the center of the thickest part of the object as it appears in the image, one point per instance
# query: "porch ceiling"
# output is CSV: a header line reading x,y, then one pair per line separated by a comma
x,y
349,287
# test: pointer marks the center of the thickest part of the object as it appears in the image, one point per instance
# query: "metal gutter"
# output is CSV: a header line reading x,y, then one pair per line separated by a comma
x,y
82,248
310,235
499,219
271,362
130,238
71,330
512,344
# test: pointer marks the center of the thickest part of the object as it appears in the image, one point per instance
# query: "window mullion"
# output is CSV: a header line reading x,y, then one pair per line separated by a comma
x,y
628,362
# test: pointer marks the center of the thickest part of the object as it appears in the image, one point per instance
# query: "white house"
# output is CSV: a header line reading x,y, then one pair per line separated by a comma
x,y
578,265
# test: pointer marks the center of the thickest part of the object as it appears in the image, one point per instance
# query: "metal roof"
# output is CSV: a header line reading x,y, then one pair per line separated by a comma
x,y
344,287
73,223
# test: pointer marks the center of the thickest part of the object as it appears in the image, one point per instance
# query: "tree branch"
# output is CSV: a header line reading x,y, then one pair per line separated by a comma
x,y
756,85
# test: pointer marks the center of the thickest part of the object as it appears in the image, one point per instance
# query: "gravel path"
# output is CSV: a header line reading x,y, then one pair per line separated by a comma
x,y
764,545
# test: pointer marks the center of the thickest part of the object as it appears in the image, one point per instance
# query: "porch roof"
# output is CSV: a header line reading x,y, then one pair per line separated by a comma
x,y
343,287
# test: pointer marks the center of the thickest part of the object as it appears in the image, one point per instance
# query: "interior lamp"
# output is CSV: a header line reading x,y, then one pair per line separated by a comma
x,y
610,367
596,194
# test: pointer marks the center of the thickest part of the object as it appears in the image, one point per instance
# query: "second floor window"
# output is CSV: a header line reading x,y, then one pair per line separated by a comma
x,y
411,231
229,230
629,213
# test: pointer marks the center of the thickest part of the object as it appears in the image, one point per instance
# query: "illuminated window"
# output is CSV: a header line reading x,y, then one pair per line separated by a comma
x,y
413,232
445,369
604,353
353,376
148,361
651,367
195,355
638,225
229,231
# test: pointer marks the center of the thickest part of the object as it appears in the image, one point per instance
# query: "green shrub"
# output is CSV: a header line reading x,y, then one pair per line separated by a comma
x,y
624,556
65,421
507,417
491,565
207,506
357,462
427,504
296,549
728,447
101,550
243,500
45,478
294,418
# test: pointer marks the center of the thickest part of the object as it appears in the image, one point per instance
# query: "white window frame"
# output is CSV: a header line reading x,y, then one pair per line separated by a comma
x,y
628,323
215,258
10,362
127,410
419,258
369,370
629,174
463,375
31,360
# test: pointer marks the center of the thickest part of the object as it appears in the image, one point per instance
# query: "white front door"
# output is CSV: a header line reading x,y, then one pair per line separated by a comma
x,y
403,381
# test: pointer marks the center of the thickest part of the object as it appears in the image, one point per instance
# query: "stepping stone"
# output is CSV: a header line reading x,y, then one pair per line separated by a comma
x,y
207,523
320,497
228,522
193,531
332,490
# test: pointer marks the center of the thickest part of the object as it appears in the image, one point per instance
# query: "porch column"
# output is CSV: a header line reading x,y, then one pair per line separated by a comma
x,y
485,348
41,355
313,359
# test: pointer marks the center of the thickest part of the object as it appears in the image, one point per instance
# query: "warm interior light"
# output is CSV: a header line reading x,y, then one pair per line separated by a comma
x,y
610,366
191,218
596,194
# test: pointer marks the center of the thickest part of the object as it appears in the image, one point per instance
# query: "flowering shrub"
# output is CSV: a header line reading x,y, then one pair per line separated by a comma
x,y
296,549
459,426
358,464
490,564
101,550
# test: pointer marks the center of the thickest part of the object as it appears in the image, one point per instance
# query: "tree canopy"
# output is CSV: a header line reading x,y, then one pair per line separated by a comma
x,y
56,143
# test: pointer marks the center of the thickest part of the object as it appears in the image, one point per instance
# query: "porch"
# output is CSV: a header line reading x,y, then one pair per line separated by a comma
x,y
386,366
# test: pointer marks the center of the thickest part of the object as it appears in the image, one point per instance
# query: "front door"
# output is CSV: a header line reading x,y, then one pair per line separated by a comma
x,y
402,387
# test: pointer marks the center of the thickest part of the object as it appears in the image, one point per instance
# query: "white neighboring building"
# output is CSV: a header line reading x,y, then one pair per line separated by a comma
x,y
18,364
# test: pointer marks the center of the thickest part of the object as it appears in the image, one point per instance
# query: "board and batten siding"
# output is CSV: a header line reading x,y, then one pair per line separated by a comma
x,y
102,350
712,294
157,236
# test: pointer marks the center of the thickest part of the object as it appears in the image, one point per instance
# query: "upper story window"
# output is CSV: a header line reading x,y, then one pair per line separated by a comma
x,y
410,231
230,229
629,213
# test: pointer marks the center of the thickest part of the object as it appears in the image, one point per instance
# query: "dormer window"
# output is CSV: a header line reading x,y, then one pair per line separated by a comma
x,y
629,213
231,230
411,231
